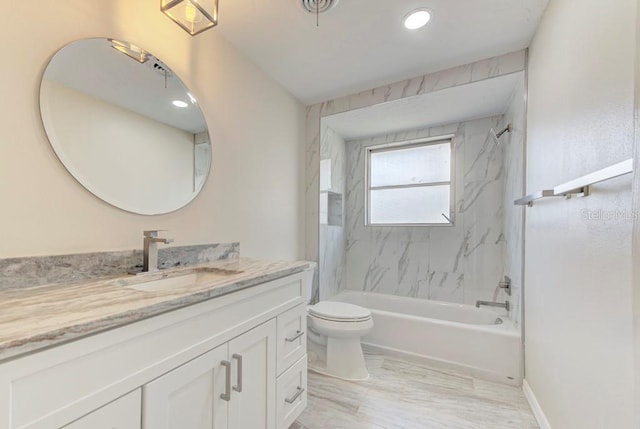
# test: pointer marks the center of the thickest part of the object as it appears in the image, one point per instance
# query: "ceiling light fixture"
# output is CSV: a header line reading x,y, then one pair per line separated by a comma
x,y
193,16
179,103
417,19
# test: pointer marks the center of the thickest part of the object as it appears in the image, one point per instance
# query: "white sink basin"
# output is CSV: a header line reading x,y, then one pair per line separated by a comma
x,y
165,281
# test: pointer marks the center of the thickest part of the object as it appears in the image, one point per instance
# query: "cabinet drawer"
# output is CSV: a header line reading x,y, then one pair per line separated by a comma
x,y
291,393
292,337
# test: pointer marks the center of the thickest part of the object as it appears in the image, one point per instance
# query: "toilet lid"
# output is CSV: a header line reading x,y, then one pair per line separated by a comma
x,y
339,311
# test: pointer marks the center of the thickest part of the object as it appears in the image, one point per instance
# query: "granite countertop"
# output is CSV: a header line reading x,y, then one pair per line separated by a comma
x,y
43,316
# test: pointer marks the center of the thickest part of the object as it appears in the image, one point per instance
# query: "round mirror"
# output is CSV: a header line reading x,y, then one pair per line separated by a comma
x,y
125,126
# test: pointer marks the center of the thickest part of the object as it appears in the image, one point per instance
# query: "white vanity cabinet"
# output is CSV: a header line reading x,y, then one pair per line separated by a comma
x,y
252,403
231,386
123,413
237,361
189,396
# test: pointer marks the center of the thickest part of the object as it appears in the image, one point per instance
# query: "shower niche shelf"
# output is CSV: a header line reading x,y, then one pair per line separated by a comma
x,y
331,208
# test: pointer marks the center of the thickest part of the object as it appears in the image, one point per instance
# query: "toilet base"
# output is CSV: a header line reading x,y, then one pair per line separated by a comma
x,y
344,359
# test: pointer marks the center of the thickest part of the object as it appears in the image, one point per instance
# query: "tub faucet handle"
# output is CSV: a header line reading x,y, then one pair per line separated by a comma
x,y
506,285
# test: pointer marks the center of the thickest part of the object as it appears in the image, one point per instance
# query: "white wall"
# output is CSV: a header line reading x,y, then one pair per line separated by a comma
x,y
578,293
636,227
253,194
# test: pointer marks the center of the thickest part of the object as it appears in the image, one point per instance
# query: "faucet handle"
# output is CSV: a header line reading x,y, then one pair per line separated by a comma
x,y
506,285
152,233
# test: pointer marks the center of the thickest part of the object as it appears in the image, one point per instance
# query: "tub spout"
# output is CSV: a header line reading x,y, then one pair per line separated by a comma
x,y
504,305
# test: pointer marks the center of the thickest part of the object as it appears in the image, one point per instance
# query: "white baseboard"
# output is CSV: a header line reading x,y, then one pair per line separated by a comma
x,y
535,406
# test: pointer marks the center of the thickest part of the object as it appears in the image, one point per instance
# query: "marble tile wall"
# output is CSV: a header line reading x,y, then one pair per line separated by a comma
x,y
40,270
462,263
332,237
475,72
513,217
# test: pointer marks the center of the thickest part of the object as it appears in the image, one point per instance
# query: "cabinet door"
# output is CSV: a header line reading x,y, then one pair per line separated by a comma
x,y
123,413
253,355
189,397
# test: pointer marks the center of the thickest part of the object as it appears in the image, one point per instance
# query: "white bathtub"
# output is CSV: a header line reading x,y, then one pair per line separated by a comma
x,y
477,341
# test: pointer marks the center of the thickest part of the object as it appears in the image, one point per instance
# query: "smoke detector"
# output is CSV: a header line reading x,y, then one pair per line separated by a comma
x,y
318,6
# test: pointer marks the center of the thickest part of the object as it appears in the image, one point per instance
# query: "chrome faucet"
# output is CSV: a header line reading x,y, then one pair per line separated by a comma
x,y
150,250
504,305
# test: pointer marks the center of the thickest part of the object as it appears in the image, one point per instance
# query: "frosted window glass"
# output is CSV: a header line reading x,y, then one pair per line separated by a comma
x,y
409,205
412,165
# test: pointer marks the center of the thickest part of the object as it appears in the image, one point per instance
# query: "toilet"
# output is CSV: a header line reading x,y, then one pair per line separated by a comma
x,y
334,330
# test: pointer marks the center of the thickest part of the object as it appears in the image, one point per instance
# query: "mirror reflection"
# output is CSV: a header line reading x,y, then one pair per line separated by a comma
x,y
125,126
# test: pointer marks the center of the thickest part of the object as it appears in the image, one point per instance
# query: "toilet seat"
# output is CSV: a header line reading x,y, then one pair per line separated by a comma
x,y
339,312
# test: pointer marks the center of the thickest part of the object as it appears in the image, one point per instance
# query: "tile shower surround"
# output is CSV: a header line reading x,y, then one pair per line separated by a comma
x,y
333,239
460,263
41,270
513,216
481,70
475,72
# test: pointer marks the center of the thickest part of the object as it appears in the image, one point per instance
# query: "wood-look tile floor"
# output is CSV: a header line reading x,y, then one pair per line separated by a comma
x,y
405,395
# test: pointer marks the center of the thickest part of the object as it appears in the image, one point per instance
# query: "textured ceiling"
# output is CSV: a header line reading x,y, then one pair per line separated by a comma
x,y
361,44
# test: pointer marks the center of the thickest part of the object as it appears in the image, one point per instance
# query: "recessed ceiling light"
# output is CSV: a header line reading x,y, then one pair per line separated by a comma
x,y
417,19
179,103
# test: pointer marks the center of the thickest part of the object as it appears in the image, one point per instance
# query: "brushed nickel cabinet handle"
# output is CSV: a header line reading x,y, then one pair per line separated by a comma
x,y
227,395
295,396
238,387
295,337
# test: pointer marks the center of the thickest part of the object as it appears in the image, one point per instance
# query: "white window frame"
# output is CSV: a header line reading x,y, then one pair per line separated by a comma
x,y
404,145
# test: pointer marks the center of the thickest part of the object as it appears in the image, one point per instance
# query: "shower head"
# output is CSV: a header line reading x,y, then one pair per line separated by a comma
x,y
496,136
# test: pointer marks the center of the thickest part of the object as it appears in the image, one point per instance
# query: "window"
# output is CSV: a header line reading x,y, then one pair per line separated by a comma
x,y
409,183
